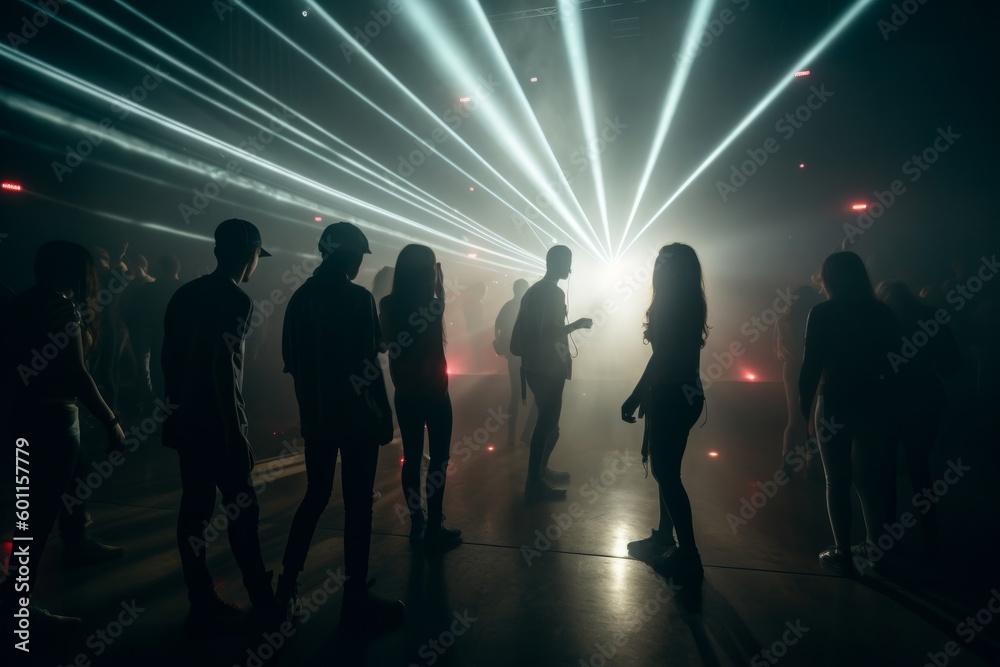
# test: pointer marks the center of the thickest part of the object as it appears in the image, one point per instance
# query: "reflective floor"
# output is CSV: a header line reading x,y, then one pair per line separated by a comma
x,y
551,584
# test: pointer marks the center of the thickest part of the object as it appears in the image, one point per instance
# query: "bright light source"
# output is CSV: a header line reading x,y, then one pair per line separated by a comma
x,y
802,165
402,460
534,79
714,455
490,448
750,376
473,255
12,187
554,240
472,189
859,207
463,100
801,73
318,218
305,13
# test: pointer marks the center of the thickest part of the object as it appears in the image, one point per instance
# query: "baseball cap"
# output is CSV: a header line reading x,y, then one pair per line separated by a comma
x,y
236,234
343,234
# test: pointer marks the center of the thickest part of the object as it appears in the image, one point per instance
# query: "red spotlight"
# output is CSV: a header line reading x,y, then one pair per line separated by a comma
x,y
714,455
402,460
802,165
859,207
750,376
801,73
534,79
11,186
490,448
472,189
464,100
318,218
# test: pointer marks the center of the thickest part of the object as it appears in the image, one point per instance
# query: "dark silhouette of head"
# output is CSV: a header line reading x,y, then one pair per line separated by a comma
x,y
901,301
238,247
678,293
167,267
68,268
343,247
558,262
413,276
843,276
520,287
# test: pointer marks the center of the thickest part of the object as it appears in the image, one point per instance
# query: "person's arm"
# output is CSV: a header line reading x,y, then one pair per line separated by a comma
x,y
812,362
82,385
224,387
641,391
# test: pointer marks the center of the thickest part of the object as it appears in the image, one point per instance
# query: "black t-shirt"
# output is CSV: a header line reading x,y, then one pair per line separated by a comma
x,y
415,344
540,330
504,326
206,318
330,344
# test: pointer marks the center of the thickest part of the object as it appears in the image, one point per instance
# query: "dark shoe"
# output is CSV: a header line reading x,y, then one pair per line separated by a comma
x,y
679,563
836,561
212,616
540,489
418,525
555,476
649,548
439,538
46,621
89,552
286,595
364,613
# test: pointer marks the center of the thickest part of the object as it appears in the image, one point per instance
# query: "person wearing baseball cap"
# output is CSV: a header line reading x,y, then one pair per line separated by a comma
x,y
205,327
330,345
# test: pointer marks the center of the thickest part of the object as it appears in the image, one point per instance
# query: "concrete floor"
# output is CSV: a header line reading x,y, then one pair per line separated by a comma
x,y
574,598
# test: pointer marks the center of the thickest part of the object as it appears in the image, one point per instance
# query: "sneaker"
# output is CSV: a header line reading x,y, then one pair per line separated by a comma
x,y
540,489
555,476
212,615
418,526
90,552
679,563
439,538
649,548
836,561
286,595
363,613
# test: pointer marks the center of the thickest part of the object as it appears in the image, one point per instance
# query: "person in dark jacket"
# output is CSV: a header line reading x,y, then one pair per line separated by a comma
x,y
330,345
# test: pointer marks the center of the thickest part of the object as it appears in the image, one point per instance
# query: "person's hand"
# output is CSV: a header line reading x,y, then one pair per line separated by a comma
x,y
583,323
631,404
116,438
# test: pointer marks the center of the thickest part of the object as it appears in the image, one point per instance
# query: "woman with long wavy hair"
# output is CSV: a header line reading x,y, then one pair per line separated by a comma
x,y
412,319
669,394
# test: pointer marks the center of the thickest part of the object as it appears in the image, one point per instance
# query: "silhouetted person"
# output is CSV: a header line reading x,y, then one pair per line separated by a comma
x,y
203,354
670,396
472,310
382,283
921,396
145,317
133,347
541,338
412,317
848,341
330,345
789,344
501,344
44,374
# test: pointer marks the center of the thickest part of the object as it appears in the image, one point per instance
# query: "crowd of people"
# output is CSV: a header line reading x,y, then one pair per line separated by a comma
x,y
840,349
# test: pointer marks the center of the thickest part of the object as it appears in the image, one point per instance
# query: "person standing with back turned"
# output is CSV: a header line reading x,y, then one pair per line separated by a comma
x,y
540,338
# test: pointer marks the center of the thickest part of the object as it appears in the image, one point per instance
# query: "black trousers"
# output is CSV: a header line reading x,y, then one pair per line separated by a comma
x,y
547,391
414,410
358,475
205,467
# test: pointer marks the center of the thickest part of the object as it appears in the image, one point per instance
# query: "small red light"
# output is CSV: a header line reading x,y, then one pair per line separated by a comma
x,y
12,187
801,73
751,376
489,448
802,165
534,79
859,207
318,218
473,255
714,454
403,460
471,189
464,99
